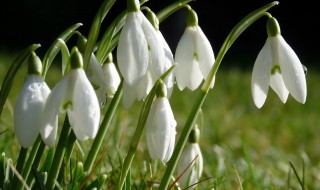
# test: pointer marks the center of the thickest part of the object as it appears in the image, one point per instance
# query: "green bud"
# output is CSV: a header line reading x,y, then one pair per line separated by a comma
x,y
76,60
191,18
161,90
81,43
194,135
133,5
153,19
273,27
35,65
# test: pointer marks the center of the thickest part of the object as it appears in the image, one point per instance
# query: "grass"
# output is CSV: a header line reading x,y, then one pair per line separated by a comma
x,y
243,147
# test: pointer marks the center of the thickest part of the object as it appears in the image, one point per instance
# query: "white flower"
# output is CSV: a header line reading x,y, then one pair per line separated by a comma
x,y
73,94
29,109
277,65
194,57
96,77
194,172
112,78
160,130
132,51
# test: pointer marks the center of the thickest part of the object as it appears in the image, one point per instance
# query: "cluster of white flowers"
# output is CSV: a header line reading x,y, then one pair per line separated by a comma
x,y
37,108
143,56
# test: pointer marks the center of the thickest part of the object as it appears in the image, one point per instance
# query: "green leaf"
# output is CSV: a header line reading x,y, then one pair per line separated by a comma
x,y
55,47
94,30
9,78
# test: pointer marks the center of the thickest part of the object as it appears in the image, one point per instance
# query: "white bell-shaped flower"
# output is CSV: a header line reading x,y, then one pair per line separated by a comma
x,y
111,77
74,94
194,56
29,107
161,127
96,77
277,65
191,155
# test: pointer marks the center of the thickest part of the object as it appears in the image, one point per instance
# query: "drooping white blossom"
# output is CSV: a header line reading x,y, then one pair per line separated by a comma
x,y
29,109
75,95
161,129
190,154
159,58
194,57
278,65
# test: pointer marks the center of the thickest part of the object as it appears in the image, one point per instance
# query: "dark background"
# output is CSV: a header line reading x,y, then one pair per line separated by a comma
x,y
24,22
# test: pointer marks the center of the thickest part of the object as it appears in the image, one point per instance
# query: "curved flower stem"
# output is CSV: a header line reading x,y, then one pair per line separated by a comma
x,y
103,129
58,156
233,35
20,163
36,148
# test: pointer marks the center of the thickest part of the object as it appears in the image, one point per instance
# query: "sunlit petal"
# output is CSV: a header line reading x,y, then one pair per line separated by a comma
x,y
29,109
276,83
292,71
84,114
261,75
132,52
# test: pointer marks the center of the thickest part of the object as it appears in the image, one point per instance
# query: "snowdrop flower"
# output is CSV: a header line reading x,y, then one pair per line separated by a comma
x,y
194,55
136,38
111,76
277,65
75,95
191,154
30,104
160,59
161,127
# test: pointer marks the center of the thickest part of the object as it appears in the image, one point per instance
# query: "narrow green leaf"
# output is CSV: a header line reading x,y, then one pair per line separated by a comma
x,y
9,78
95,29
39,180
55,47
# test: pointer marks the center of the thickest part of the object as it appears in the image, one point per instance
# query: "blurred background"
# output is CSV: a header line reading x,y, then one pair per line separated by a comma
x,y
24,22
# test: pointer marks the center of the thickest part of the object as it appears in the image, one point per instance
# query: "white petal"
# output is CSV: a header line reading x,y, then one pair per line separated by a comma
x,y
205,52
261,75
187,71
128,95
49,121
292,71
132,51
112,78
144,86
84,114
160,127
157,57
29,109
169,80
95,75
277,84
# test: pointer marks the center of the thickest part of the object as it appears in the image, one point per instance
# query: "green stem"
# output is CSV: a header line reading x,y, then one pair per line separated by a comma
x,y
20,163
59,154
166,12
233,35
102,131
28,165
36,161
